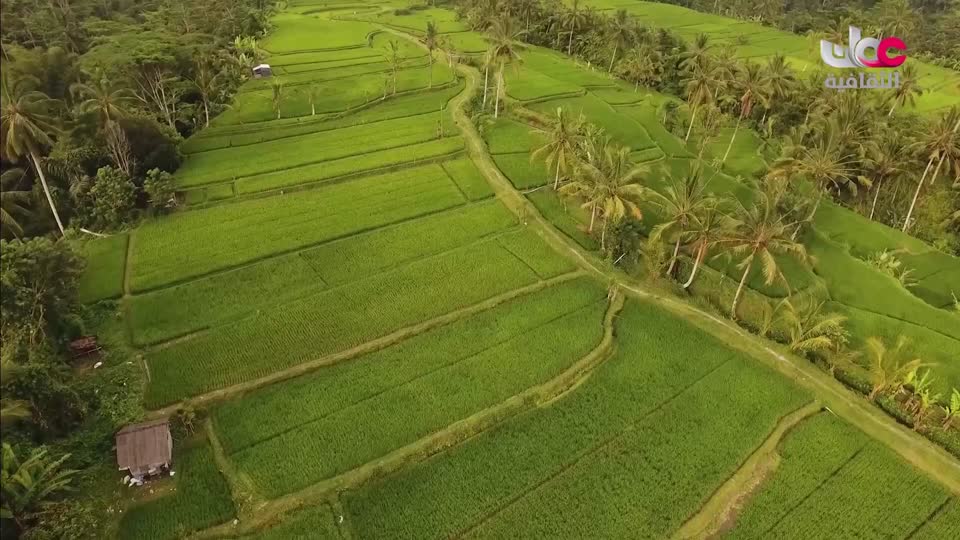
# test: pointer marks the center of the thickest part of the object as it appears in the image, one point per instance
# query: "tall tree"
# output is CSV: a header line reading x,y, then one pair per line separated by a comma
x,y
431,42
644,66
207,82
889,366
761,232
706,230
908,91
941,142
700,88
25,128
106,101
753,86
679,205
573,19
888,160
560,146
620,32
609,185
505,50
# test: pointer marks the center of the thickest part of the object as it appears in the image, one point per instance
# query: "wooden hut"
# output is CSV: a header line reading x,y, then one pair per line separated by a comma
x,y
145,449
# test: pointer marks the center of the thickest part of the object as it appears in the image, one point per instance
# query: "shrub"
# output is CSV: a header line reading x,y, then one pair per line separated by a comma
x,y
160,190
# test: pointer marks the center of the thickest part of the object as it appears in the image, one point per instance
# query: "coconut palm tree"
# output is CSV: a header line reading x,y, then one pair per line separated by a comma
x,y
276,84
705,231
888,160
13,202
505,50
560,149
888,367
431,41
609,185
753,86
573,20
698,55
102,99
620,32
206,81
810,330
760,233
643,66
394,62
908,91
679,205
25,127
700,88
941,142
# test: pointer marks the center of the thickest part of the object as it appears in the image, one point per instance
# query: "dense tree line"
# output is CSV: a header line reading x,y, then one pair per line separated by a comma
x,y
96,96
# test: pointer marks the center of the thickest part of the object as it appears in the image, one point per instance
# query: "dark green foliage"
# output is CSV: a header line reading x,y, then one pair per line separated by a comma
x,y
38,290
109,203
160,189
55,402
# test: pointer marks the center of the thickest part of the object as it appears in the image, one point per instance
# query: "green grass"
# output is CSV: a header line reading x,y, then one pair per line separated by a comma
x,y
314,522
201,499
945,524
465,174
278,155
332,321
103,277
433,388
623,129
619,434
230,235
833,482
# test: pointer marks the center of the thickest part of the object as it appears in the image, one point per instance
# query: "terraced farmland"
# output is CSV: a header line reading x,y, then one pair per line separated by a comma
x,y
383,341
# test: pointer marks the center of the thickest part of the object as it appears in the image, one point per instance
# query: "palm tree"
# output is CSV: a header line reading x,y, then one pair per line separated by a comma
x,y
698,55
941,142
206,83
25,128
609,185
810,330
752,85
888,367
896,18
431,41
780,78
12,201
643,66
106,101
701,88
705,231
562,139
313,94
679,205
394,62
908,90
760,233
505,50
573,19
620,31
27,484
277,86
11,410
888,159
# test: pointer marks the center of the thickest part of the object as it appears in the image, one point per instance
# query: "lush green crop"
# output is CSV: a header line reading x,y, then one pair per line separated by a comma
x,y
295,33
506,136
219,298
304,399
250,230
624,130
567,217
369,163
656,382
277,155
334,320
103,277
527,246
249,134
528,85
468,42
864,499
646,116
465,174
562,68
523,171
316,522
201,499
430,390
415,22
945,524
380,250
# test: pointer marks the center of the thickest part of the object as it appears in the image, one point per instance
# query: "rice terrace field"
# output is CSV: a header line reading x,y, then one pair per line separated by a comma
x,y
391,326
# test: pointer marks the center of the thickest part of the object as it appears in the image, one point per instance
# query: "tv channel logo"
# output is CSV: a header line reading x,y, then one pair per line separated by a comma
x,y
855,55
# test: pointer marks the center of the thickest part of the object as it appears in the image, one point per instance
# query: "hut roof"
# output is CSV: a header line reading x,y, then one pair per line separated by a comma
x,y
144,445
